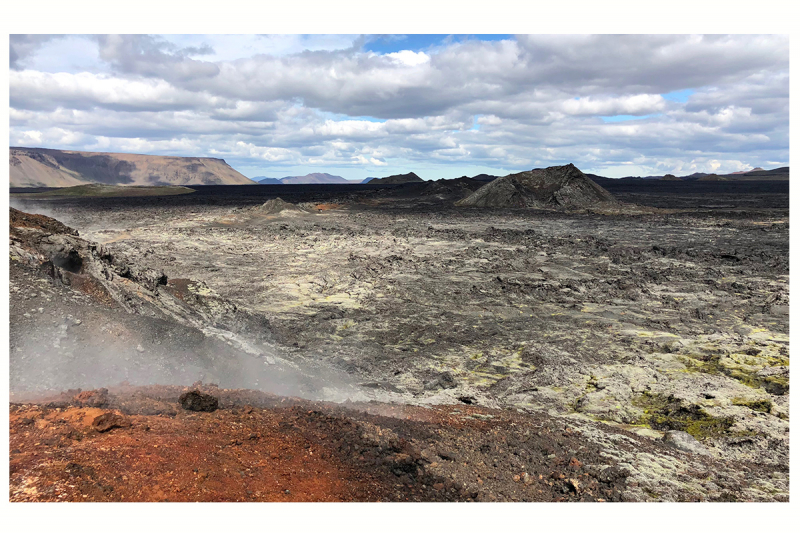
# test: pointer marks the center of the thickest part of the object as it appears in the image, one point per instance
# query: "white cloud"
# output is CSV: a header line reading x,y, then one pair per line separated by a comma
x,y
639,104
35,90
289,101
409,58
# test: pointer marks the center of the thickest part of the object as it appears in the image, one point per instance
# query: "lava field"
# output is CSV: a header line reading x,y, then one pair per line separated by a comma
x,y
379,343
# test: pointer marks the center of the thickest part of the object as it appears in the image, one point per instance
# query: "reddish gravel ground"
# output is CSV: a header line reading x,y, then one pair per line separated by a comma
x,y
138,444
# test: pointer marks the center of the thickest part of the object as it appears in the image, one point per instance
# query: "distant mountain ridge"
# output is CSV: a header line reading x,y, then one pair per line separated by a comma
x,y
758,173
315,177
263,180
308,179
45,167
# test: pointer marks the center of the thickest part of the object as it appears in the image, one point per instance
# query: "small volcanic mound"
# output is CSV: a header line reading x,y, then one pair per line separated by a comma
x,y
277,206
562,187
459,186
397,179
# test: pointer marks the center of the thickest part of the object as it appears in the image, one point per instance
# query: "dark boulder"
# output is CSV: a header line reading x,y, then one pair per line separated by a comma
x,y
197,401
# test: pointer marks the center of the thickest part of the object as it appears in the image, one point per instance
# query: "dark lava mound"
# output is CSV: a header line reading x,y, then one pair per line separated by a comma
x,y
397,179
563,187
277,206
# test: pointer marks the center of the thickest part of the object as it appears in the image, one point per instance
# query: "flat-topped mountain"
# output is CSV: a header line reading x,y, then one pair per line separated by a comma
x,y
43,167
552,187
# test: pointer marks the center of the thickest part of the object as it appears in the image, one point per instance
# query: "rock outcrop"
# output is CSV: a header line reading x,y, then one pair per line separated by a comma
x,y
113,279
562,187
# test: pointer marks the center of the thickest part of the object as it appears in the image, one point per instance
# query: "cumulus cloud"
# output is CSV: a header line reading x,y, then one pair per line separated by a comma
x,y
21,47
324,102
409,58
639,104
34,90
156,57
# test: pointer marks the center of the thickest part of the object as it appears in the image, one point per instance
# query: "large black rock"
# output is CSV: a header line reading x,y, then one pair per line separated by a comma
x,y
197,401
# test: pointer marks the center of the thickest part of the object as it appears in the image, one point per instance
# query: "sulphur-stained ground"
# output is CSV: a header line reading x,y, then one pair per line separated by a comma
x,y
627,331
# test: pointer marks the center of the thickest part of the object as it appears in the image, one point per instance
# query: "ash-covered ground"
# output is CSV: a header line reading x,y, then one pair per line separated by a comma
x,y
619,328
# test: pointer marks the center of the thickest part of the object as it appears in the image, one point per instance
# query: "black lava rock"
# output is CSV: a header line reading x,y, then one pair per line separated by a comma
x,y
197,401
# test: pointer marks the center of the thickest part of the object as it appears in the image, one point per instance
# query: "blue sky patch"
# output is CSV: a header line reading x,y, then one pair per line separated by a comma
x,y
681,96
475,125
387,44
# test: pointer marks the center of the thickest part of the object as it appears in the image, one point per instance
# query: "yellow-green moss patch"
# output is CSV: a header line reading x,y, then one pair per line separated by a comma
x,y
669,413
763,406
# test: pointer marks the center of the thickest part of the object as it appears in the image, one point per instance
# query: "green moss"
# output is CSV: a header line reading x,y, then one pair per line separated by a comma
x,y
711,364
776,384
778,361
763,406
669,413
706,364
746,378
652,494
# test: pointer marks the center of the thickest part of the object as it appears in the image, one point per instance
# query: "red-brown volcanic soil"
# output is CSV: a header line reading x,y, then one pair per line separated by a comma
x,y
259,447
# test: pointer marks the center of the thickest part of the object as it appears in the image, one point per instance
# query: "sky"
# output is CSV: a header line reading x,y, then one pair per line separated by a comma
x,y
442,106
